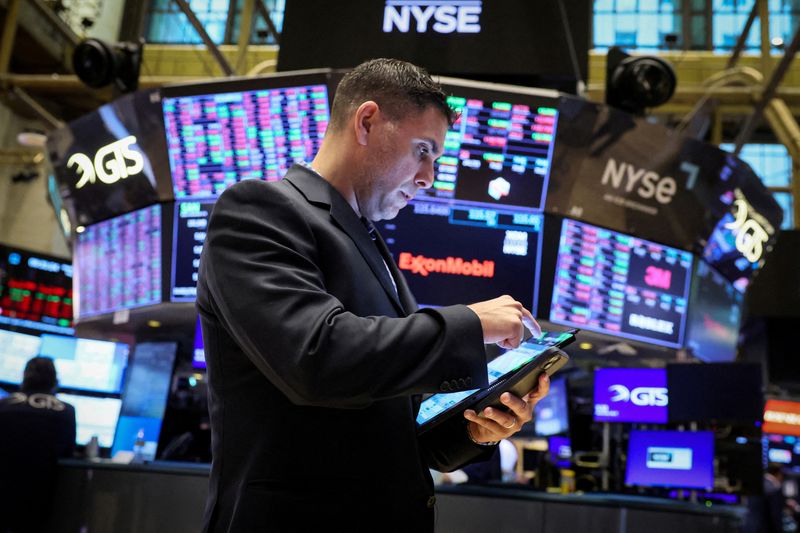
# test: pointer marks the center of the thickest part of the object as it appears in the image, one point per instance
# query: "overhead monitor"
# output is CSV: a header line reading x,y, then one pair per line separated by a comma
x,y
35,291
715,314
189,226
681,459
16,349
86,364
95,416
498,153
453,254
551,414
144,396
620,285
782,417
118,263
728,392
630,395
224,132
199,351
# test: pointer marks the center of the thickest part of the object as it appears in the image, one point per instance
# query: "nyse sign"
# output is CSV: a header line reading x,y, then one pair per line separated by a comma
x,y
752,230
443,16
111,163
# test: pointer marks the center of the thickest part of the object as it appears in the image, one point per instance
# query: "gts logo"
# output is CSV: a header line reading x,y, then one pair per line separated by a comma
x,y
641,396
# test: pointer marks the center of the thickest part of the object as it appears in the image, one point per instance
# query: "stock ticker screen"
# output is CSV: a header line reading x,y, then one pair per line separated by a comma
x,y
498,152
35,291
191,221
620,285
216,140
452,254
119,263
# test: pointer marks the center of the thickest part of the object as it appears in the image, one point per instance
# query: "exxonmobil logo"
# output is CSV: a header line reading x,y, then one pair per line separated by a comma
x,y
419,264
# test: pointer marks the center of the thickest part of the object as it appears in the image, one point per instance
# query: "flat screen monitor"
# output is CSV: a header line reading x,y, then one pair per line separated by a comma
x,y
199,351
560,449
189,233
453,254
620,285
680,459
551,414
630,395
118,263
144,396
86,364
222,133
94,416
715,314
35,291
498,153
782,449
15,351
730,392
782,417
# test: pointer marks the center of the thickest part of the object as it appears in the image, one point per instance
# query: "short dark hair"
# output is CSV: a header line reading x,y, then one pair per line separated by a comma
x,y
39,375
398,87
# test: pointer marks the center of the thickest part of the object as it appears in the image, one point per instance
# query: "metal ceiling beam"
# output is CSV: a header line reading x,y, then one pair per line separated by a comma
x,y
201,31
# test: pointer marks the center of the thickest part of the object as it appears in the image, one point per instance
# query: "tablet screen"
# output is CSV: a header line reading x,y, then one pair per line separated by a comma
x,y
498,368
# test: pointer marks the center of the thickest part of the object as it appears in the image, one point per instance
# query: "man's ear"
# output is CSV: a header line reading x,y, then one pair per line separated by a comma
x,y
365,118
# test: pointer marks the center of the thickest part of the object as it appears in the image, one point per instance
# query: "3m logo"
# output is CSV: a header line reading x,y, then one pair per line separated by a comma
x,y
442,16
110,163
658,277
419,264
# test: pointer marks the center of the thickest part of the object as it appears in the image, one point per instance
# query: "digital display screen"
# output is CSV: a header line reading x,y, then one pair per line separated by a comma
x,y
145,397
199,352
551,414
671,459
715,314
35,291
782,417
498,152
453,254
216,140
94,416
560,449
16,349
86,364
191,221
782,449
630,395
620,285
715,391
118,263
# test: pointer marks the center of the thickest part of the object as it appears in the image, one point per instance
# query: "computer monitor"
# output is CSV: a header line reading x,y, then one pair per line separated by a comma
x,y
560,449
782,449
630,395
680,459
551,414
94,416
498,154
452,254
782,417
620,285
199,351
118,263
725,392
144,397
15,351
715,314
87,364
221,133
189,233
35,291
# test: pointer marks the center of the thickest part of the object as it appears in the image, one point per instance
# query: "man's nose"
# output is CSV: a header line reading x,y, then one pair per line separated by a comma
x,y
424,178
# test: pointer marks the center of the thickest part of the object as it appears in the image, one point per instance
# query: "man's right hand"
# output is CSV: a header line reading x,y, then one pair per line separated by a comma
x,y
502,320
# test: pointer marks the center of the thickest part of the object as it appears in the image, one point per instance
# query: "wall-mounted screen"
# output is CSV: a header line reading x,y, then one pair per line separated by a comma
x,y
118,263
551,413
190,223
715,314
630,395
681,459
498,152
782,417
222,133
452,254
86,364
620,285
15,351
729,392
35,291
94,416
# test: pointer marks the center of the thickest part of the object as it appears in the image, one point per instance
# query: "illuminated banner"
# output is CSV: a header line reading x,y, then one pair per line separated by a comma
x,y
630,395
782,417
624,173
113,160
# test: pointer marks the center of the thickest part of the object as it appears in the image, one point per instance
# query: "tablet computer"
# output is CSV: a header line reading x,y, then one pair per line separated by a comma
x,y
516,371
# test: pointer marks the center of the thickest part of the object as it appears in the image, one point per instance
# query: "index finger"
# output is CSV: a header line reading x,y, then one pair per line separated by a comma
x,y
530,323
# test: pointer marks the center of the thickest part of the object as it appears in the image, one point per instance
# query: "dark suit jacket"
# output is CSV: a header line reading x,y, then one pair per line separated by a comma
x,y
315,365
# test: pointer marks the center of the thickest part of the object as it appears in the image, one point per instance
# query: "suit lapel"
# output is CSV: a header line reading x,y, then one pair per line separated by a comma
x,y
318,191
404,292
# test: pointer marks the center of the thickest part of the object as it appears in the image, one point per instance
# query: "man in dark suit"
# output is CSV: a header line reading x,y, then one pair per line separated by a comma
x,y
317,354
